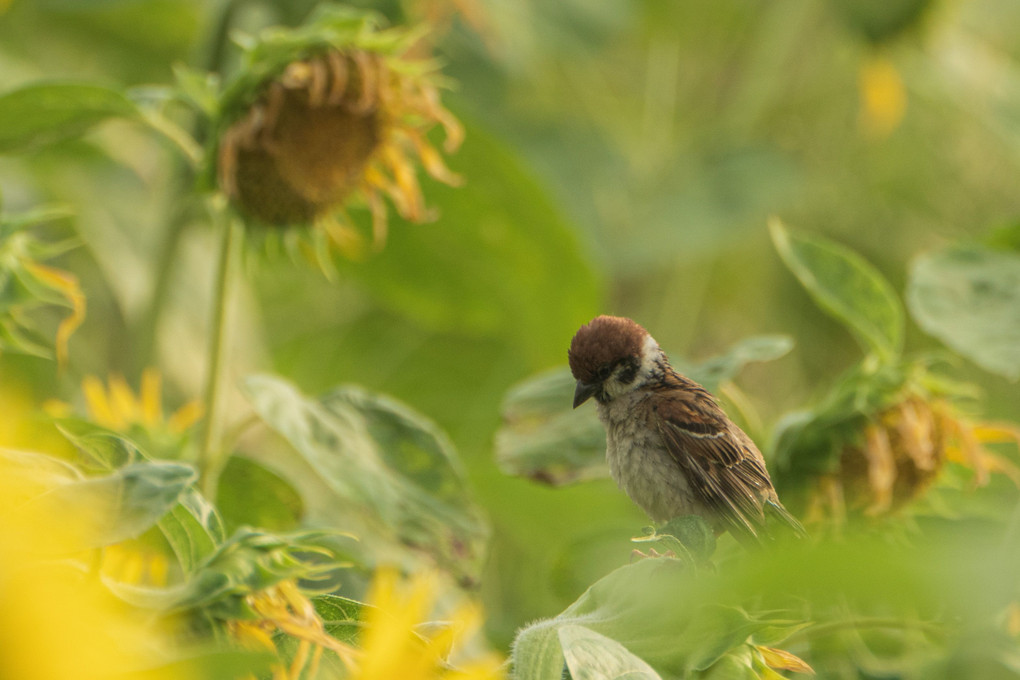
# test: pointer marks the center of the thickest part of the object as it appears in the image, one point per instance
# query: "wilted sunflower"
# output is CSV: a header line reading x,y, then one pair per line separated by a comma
x,y
327,114
881,440
901,450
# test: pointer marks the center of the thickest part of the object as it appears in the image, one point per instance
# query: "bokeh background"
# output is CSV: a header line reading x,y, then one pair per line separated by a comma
x,y
620,157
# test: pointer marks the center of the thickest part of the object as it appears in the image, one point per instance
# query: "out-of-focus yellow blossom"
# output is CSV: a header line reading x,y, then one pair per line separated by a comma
x,y
883,97
55,621
393,645
133,563
116,407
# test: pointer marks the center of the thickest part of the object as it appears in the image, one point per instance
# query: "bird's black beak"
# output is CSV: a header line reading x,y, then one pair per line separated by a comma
x,y
583,392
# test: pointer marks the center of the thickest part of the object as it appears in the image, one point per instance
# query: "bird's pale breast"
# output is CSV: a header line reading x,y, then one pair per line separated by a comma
x,y
640,463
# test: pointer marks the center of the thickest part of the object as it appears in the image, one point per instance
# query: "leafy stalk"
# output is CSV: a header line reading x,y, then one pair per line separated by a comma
x,y
210,455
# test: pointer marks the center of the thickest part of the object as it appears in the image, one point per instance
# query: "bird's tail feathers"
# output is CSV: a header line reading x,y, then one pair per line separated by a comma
x,y
776,509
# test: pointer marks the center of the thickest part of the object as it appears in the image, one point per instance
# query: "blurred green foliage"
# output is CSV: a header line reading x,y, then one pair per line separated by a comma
x,y
620,158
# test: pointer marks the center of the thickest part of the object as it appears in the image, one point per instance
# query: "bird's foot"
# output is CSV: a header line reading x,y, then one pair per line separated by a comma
x,y
652,552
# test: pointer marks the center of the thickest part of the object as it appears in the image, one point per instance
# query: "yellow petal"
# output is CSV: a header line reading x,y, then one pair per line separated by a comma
x,y
159,567
881,468
123,401
67,285
997,433
185,416
783,660
150,397
251,635
1013,619
55,408
432,160
98,405
391,648
489,667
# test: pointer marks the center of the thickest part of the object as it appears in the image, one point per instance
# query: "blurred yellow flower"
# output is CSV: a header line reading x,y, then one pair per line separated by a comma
x,y
883,97
394,646
116,407
55,621
135,564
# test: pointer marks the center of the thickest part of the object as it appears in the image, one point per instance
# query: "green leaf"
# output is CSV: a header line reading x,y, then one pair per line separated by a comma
x,y
544,439
808,442
500,260
27,285
36,473
251,561
279,506
591,656
341,616
41,114
969,297
386,465
737,665
193,529
725,367
1006,237
846,286
658,609
105,448
105,510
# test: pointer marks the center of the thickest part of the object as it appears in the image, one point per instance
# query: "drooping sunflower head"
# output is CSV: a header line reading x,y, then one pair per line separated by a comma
x,y
883,438
900,452
330,115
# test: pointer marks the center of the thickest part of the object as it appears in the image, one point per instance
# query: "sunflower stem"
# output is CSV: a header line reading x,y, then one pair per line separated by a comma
x,y
182,189
211,455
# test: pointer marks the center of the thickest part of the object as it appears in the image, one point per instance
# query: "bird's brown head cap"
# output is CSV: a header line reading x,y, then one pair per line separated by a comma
x,y
603,341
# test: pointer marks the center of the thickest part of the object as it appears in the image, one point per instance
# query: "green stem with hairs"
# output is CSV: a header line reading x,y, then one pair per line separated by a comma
x,y
211,456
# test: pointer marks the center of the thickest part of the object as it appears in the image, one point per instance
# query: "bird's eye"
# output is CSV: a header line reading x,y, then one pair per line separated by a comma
x,y
603,372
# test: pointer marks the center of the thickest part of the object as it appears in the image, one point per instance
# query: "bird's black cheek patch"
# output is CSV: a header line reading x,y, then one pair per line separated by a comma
x,y
630,369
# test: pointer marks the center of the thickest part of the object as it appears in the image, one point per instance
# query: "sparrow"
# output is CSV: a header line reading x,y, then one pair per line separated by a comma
x,y
669,445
